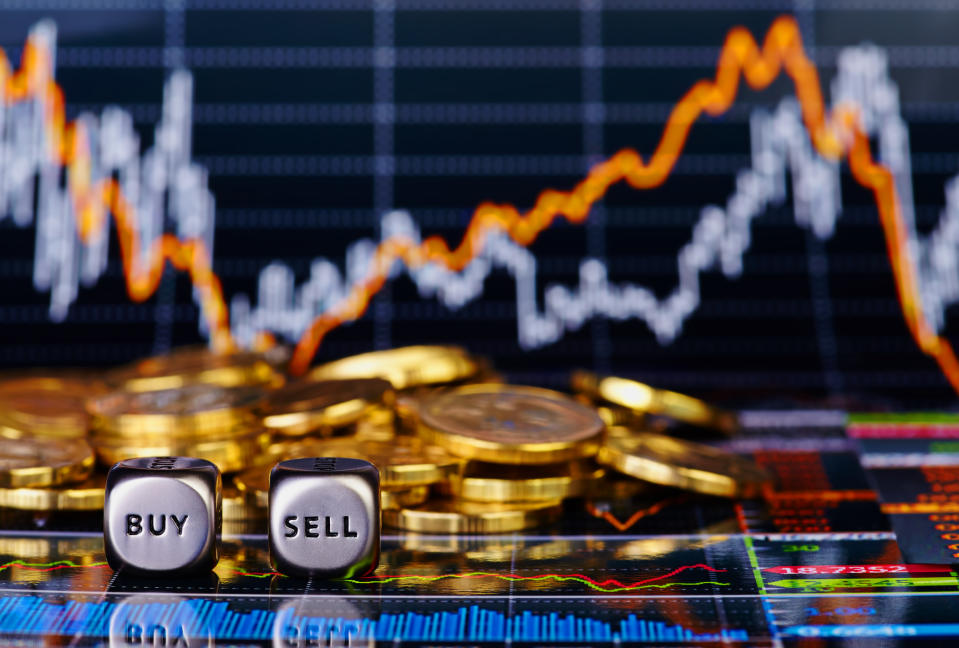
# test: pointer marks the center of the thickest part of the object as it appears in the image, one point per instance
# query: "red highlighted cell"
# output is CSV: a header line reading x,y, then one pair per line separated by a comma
x,y
858,569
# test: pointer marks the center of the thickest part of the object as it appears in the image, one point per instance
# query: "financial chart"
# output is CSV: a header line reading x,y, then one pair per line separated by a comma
x,y
305,150
816,560
752,202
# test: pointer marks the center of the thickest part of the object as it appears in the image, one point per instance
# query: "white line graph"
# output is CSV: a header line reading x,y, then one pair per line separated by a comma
x,y
170,193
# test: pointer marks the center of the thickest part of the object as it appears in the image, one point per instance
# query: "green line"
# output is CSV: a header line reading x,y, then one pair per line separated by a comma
x,y
754,564
903,417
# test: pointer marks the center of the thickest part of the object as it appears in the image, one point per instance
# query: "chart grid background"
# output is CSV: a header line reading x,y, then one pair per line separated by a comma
x,y
314,119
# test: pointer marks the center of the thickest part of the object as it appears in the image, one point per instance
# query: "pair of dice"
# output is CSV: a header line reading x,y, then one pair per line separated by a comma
x,y
161,517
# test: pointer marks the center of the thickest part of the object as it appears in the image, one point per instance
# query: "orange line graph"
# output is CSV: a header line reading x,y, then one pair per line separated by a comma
x,y
835,135
93,201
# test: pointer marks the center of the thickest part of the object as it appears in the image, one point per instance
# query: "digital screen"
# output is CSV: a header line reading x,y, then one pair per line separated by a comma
x,y
298,140
751,202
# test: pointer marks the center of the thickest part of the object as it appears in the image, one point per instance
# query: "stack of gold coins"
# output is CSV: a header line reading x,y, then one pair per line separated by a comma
x,y
46,463
525,450
200,420
458,450
48,474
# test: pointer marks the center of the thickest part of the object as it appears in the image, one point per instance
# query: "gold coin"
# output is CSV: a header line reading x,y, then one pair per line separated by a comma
x,y
195,409
379,424
304,406
254,485
461,516
485,482
642,398
230,452
404,367
237,506
85,496
397,499
43,462
402,462
667,461
46,405
510,424
195,365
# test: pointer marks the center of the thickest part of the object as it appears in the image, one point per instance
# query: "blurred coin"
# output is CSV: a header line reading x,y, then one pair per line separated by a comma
x,y
195,365
46,405
254,485
486,482
642,398
230,452
402,462
304,406
196,409
85,496
667,461
378,424
237,506
404,367
43,462
397,499
461,516
510,424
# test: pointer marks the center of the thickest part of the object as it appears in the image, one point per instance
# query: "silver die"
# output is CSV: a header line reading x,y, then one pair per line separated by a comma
x,y
161,516
324,517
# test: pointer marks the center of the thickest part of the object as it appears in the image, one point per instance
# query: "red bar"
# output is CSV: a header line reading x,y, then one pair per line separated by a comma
x,y
803,570
903,431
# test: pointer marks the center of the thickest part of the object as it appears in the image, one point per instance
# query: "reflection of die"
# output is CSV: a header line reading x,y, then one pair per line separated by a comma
x,y
324,517
161,516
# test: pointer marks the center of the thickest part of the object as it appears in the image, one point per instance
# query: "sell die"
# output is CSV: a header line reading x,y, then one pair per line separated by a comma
x,y
324,517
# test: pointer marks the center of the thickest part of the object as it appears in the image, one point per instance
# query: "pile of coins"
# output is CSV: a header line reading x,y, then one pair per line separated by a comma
x,y
458,451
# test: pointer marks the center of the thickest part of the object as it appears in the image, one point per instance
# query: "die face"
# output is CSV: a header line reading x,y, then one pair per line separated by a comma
x,y
161,516
324,517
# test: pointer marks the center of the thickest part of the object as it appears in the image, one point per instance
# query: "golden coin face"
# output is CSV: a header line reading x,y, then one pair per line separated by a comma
x,y
511,417
193,399
43,462
664,460
404,367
